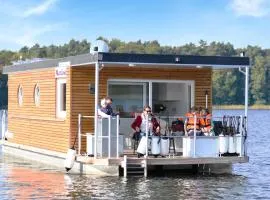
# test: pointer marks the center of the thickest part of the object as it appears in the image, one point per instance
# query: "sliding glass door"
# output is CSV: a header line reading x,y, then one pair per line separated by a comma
x,y
130,96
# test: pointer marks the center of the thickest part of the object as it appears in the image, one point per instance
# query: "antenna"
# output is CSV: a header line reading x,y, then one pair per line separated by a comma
x,y
99,46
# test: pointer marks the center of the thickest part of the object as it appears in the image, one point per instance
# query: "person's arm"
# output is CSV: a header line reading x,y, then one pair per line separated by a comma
x,y
102,114
109,111
115,113
136,124
156,125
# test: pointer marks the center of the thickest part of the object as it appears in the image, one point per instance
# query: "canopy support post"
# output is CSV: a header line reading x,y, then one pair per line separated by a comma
x,y
246,73
96,105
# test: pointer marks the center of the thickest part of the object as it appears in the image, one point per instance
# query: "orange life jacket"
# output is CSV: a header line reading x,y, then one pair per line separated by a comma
x,y
191,120
205,121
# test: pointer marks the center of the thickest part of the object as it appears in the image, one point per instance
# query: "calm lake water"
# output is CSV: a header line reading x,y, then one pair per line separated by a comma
x,y
20,179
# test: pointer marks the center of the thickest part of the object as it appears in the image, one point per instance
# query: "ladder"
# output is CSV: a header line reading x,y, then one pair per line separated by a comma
x,y
134,166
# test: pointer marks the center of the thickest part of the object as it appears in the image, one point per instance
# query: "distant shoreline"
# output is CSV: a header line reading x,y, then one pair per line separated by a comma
x,y
240,107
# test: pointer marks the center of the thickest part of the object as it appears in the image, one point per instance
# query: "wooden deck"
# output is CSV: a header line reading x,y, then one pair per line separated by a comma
x,y
176,160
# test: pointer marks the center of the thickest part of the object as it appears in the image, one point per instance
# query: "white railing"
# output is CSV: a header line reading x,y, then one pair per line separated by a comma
x,y
106,126
233,128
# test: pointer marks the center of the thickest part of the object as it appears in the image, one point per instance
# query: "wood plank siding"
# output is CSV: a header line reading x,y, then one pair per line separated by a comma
x,y
83,101
33,125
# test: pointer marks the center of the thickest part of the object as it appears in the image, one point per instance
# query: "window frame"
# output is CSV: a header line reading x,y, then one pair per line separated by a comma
x,y
37,98
60,113
20,95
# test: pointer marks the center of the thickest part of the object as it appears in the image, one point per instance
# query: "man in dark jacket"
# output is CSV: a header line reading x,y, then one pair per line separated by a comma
x,y
106,106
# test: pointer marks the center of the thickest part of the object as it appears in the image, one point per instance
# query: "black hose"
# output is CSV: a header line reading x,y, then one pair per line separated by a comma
x,y
225,125
73,147
238,124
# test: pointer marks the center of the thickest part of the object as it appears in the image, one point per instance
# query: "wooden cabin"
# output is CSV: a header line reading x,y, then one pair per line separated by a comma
x,y
45,98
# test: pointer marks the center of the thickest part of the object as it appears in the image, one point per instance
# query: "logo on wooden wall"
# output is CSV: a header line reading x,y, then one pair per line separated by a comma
x,y
61,70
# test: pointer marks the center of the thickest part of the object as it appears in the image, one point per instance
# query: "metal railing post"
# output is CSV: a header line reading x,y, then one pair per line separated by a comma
x,y
241,134
117,136
96,136
146,134
109,136
194,135
246,133
145,168
96,105
125,166
100,137
79,133
246,90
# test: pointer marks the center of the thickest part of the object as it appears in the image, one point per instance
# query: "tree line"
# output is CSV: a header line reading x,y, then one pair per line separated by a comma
x,y
228,85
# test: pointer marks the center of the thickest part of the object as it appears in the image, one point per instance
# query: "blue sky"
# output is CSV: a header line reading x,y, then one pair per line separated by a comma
x,y
171,22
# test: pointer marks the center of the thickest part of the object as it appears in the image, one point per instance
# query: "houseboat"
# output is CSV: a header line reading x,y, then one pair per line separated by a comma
x,y
53,106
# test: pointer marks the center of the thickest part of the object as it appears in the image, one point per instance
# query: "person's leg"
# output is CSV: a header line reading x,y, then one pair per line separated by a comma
x,y
199,133
141,135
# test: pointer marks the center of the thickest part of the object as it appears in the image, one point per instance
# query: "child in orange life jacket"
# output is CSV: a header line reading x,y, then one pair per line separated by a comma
x,y
206,122
190,122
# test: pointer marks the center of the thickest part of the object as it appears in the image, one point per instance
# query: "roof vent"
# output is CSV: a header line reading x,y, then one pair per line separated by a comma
x,y
99,46
177,59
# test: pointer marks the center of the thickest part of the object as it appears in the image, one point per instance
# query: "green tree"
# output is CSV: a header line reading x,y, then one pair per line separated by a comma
x,y
258,78
228,86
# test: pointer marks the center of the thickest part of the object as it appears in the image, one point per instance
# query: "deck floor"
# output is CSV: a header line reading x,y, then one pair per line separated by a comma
x,y
168,160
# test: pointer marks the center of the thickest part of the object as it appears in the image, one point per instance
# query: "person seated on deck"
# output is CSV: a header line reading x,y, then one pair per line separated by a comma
x,y
178,126
139,124
109,109
206,122
189,122
106,109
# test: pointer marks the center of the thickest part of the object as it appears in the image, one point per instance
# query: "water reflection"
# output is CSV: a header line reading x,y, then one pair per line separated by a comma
x,y
29,184
201,187
19,180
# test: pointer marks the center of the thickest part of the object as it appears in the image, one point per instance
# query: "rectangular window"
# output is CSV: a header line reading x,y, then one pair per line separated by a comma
x,y
128,98
61,98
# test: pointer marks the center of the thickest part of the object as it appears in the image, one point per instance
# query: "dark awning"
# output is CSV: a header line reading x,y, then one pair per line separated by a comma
x,y
153,60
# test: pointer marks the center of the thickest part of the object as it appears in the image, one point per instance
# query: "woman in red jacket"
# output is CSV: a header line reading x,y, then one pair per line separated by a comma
x,y
139,124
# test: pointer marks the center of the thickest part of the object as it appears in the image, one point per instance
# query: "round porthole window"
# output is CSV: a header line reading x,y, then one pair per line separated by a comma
x,y
20,95
37,95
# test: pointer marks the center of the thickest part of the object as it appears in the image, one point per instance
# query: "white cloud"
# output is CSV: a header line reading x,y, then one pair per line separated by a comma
x,y
21,27
254,8
30,35
39,9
